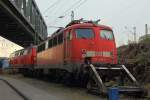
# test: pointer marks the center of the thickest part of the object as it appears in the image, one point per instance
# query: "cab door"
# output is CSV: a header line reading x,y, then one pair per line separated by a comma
x,y
67,46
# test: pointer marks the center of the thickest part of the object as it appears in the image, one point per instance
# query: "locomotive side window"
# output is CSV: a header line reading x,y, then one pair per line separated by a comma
x,y
106,34
25,52
41,47
50,43
55,41
60,38
69,35
84,33
17,54
21,52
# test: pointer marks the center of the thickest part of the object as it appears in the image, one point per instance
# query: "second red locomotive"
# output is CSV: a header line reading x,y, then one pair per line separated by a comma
x,y
23,60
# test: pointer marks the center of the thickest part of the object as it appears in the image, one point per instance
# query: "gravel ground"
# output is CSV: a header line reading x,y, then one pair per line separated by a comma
x,y
61,91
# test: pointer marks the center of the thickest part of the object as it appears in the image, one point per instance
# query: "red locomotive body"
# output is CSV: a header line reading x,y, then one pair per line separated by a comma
x,y
94,42
75,45
23,59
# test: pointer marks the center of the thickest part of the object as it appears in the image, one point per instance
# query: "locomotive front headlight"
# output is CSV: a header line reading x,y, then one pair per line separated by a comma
x,y
83,51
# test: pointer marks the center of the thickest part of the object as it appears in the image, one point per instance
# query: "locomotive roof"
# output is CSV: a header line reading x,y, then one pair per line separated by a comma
x,y
86,23
24,49
77,23
89,25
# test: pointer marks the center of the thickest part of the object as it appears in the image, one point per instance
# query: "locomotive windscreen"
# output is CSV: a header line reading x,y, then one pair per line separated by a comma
x,y
84,33
106,34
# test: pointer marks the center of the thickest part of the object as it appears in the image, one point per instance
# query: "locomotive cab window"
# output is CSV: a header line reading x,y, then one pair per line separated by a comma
x,y
84,33
69,35
25,52
41,47
106,34
21,52
55,41
17,54
60,38
50,43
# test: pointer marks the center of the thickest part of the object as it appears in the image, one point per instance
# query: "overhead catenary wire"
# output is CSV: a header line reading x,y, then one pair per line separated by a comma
x,y
51,6
75,6
57,10
72,6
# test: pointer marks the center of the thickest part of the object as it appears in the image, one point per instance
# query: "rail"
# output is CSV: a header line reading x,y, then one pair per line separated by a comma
x,y
15,89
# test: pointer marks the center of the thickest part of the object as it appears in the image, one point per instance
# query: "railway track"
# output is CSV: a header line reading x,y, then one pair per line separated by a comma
x,y
146,97
7,85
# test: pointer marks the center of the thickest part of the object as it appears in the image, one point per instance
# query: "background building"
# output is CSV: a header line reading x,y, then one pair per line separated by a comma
x,y
7,47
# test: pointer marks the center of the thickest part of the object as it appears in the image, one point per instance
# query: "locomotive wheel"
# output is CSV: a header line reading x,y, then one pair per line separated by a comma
x,y
67,80
24,72
58,76
83,79
38,73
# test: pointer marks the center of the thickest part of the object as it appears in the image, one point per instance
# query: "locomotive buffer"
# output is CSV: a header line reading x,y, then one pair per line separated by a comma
x,y
100,82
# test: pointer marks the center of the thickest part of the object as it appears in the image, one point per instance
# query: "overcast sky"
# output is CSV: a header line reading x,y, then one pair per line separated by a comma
x,y
114,13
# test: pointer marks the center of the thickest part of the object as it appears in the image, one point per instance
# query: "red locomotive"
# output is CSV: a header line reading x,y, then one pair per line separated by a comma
x,y
79,53
76,44
23,59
